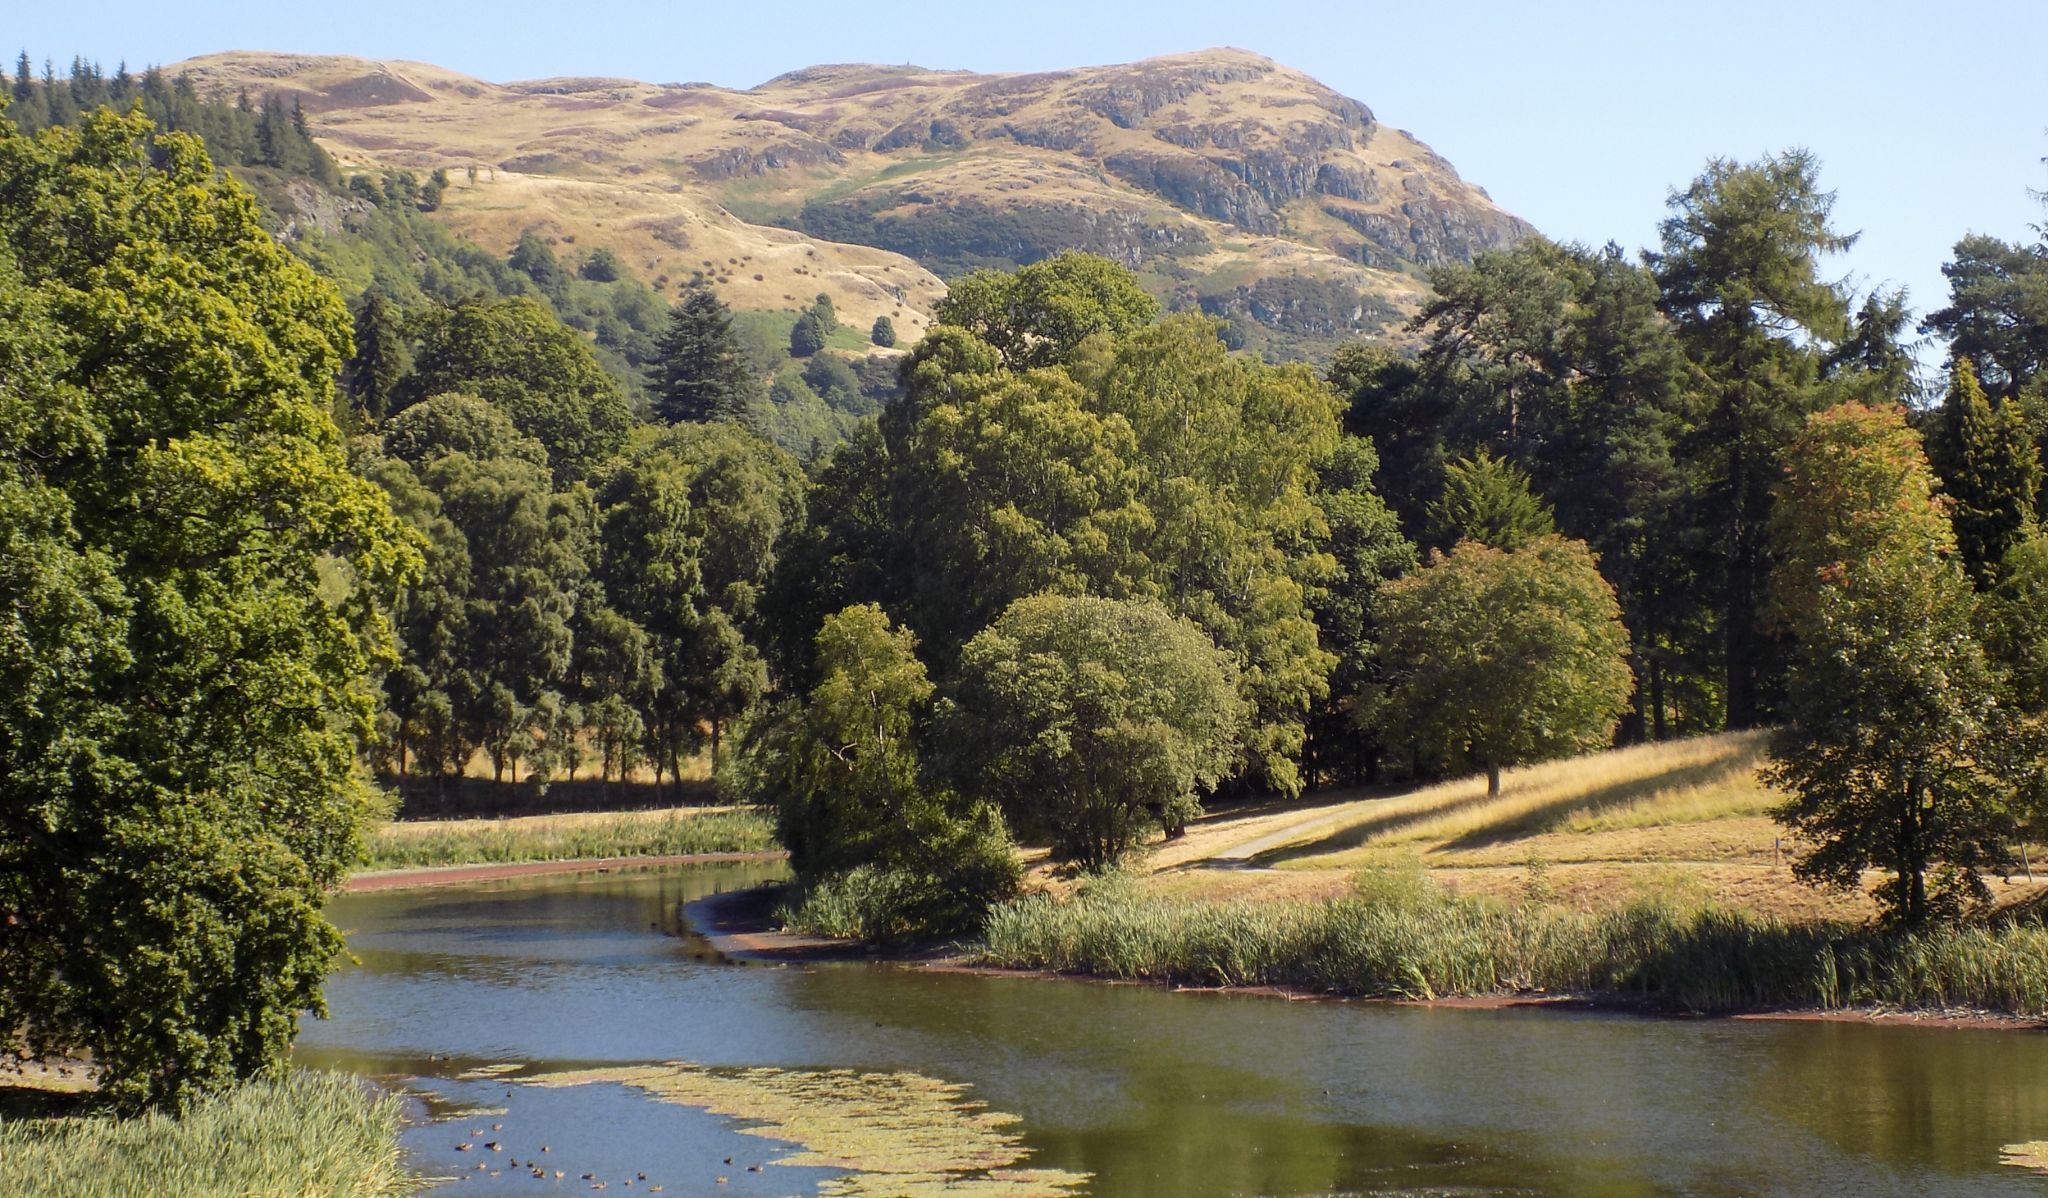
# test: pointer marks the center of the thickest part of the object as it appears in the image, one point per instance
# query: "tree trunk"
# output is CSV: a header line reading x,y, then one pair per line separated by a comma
x,y
1492,781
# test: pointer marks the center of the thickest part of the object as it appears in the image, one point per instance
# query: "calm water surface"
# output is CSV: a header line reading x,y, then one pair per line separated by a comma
x,y
1153,1094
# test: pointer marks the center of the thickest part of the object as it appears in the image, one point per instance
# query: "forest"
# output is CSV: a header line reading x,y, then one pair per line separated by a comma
x,y
288,525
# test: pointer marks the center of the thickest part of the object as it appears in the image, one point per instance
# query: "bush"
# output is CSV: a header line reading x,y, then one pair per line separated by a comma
x,y
884,332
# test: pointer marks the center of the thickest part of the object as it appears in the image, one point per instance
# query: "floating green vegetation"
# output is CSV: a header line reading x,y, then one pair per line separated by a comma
x,y
901,1135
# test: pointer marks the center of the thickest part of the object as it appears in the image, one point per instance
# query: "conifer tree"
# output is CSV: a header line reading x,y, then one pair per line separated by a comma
x,y
1489,501
700,373
381,359
1991,470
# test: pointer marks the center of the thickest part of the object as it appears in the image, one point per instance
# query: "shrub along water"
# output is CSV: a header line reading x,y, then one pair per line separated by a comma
x,y
566,838
319,1135
1402,937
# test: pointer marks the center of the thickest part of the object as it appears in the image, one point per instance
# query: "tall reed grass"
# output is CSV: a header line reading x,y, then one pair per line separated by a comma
x,y
564,838
309,1135
1403,937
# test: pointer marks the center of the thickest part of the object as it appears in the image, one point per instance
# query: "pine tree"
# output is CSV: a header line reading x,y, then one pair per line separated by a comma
x,y
1992,471
381,359
808,335
700,373
883,333
1489,501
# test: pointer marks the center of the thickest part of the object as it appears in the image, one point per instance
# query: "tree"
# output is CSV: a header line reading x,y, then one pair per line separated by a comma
x,y
539,372
1489,501
807,336
701,373
1039,314
535,259
383,356
1740,272
883,333
1892,744
1366,550
828,317
1494,659
841,773
194,584
1991,469
1997,315
1094,721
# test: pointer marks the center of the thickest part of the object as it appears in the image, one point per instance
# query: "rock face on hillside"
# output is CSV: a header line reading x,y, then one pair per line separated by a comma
x,y
1229,181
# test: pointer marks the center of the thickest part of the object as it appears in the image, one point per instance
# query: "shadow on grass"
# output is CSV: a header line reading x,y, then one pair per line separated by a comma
x,y
1356,835
1548,817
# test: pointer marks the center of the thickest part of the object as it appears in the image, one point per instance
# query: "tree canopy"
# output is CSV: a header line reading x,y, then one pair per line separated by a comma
x,y
197,581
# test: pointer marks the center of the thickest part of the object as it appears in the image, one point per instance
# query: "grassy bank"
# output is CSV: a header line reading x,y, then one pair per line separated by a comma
x,y
1402,936
567,837
311,1135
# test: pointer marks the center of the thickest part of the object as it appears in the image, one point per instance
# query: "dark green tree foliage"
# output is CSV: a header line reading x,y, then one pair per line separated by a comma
x,y
185,682
602,266
883,333
1039,314
1991,470
1495,659
701,373
1489,501
450,423
382,359
1893,741
1740,272
692,526
1094,722
1997,315
240,133
517,355
828,316
807,336
1366,550
535,259
841,772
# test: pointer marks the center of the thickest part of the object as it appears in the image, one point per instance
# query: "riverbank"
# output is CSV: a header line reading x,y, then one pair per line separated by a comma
x,y
663,833
740,924
314,1135
454,875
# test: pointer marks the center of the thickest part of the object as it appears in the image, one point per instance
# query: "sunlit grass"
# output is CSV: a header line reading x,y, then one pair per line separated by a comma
x,y
311,1135
668,832
1649,786
1403,936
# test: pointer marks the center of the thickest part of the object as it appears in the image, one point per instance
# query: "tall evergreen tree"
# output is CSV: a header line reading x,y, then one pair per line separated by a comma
x,y
1489,501
382,356
701,373
1740,272
1991,469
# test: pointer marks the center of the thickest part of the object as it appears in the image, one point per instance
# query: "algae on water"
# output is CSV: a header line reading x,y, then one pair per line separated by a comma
x,y
900,1135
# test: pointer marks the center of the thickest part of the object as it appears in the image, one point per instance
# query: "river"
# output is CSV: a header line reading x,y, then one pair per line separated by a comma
x,y
479,1000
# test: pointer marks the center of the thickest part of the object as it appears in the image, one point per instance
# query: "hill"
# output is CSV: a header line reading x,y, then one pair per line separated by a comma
x,y
1229,181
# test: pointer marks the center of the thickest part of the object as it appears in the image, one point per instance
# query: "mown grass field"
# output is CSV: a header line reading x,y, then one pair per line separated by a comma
x,y
1686,822
673,831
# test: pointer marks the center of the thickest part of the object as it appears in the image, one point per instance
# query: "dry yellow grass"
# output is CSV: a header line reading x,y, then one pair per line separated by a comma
x,y
683,178
1687,820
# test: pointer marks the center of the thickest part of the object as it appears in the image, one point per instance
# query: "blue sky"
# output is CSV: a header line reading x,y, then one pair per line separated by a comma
x,y
1930,119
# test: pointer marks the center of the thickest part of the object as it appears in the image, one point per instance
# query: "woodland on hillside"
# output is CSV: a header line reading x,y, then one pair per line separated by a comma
x,y
277,521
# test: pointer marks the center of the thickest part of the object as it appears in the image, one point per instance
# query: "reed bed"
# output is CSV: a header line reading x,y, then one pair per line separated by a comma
x,y
564,838
1402,937
309,1135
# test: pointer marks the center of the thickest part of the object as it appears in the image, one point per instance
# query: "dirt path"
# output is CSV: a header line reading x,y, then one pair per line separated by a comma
x,y
449,875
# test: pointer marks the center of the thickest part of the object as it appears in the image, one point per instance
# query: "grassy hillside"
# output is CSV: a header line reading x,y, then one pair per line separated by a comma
x,y
1688,821
1231,183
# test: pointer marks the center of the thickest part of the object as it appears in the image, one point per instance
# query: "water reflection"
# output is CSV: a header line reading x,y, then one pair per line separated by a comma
x,y
1151,1093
